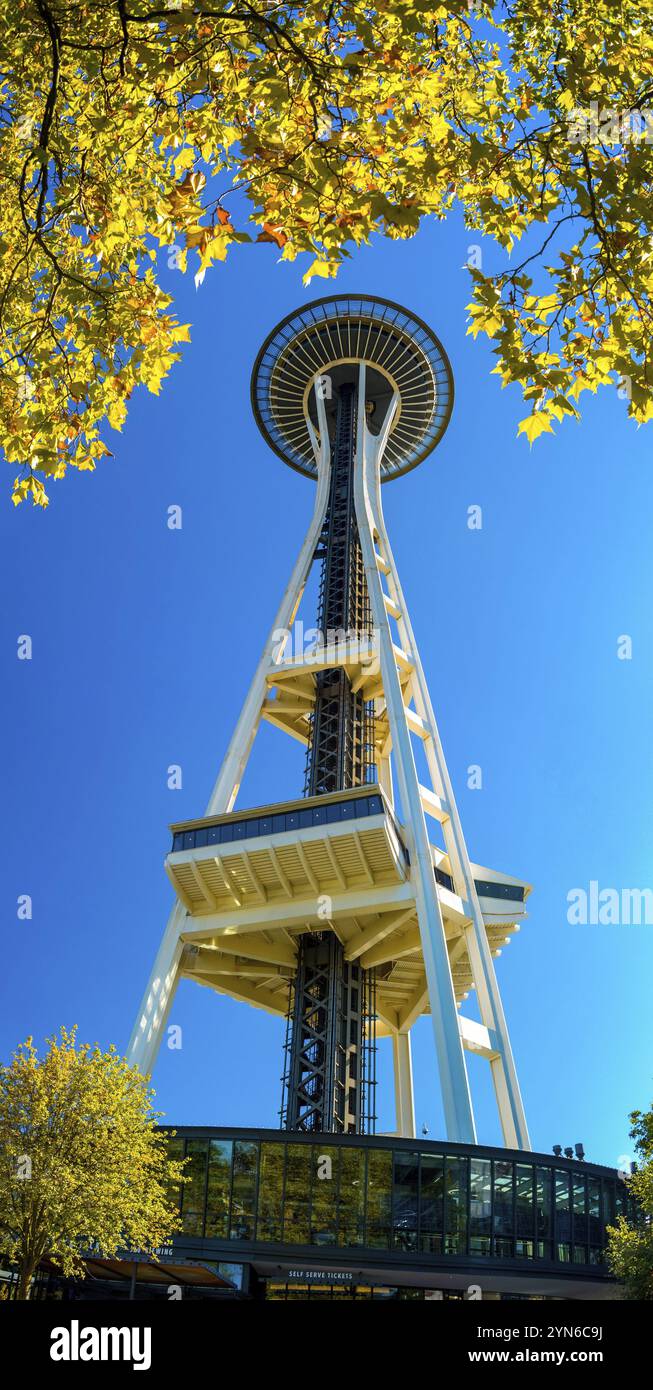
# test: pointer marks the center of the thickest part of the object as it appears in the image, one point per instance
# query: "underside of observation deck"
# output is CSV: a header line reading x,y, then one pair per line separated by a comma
x,y
256,882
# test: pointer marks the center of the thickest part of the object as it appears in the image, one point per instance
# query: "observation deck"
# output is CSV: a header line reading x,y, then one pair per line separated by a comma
x,y
253,882
328,338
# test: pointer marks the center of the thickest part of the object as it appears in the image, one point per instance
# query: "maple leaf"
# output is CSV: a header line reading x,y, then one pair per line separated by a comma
x,y
274,234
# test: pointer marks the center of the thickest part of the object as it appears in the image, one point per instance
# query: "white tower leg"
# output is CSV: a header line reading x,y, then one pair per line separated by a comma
x,y
157,999
456,1098
377,551
404,1100
230,776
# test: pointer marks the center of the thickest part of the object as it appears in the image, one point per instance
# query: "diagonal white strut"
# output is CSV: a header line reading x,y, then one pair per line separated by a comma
x,y
160,990
225,790
456,1098
378,558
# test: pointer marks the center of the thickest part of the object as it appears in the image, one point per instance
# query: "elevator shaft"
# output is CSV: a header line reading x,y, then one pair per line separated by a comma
x,y
341,737
328,1082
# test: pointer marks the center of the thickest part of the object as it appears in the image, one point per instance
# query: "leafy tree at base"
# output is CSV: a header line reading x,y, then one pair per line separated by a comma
x,y
630,1248
81,1162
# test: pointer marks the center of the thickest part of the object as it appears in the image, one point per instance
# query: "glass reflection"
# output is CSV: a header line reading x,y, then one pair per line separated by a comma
x,y
594,1210
243,1196
503,1213
219,1187
543,1211
480,1205
296,1226
175,1151
324,1211
195,1187
456,1182
269,1225
524,1210
431,1202
379,1197
312,1193
351,1207
563,1216
405,1200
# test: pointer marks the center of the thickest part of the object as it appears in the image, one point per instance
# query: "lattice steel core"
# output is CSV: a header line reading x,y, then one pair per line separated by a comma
x,y
342,733
329,1077
330,1043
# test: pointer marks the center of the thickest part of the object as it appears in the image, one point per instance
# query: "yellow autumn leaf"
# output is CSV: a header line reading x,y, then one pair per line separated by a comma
x,y
325,269
534,425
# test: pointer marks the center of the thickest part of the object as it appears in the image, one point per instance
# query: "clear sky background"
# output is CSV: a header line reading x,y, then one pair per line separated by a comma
x,y
145,639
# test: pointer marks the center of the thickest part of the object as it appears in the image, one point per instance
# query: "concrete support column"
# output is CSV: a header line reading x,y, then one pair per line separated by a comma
x,y
404,1099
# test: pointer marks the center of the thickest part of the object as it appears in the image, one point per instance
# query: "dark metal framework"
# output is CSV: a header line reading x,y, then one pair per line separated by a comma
x,y
329,1081
341,748
330,1073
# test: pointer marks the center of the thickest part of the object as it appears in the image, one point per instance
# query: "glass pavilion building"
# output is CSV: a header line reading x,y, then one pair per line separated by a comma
x,y
293,1215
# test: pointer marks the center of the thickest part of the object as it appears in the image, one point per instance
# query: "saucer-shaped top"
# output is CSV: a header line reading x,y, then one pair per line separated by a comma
x,y
328,338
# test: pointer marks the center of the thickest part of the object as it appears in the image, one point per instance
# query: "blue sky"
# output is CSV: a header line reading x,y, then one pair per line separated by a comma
x,y
144,641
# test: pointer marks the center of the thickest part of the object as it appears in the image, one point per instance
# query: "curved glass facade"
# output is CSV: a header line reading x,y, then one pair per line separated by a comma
x,y
384,1194
226,830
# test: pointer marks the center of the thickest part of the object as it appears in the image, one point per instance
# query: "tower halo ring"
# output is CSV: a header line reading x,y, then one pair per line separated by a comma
x,y
344,329
352,361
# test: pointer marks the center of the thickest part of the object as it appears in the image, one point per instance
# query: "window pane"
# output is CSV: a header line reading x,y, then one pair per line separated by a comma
x,y
544,1227
219,1184
480,1205
405,1200
580,1211
270,1203
324,1213
579,1194
175,1151
243,1198
455,1206
379,1198
563,1211
194,1187
432,1196
524,1249
594,1204
352,1197
524,1211
296,1227
503,1218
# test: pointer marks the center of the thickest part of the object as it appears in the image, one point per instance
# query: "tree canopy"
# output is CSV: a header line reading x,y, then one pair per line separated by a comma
x,y
81,1161
630,1247
129,126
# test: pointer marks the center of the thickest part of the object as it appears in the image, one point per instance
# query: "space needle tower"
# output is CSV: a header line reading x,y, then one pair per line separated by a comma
x,y
353,909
